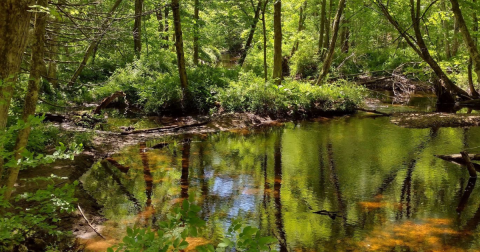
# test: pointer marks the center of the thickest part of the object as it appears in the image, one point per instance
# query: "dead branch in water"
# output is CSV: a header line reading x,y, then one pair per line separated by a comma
x,y
171,127
90,224
374,111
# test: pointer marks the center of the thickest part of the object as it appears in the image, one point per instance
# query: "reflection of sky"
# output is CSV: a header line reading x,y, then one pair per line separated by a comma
x,y
222,187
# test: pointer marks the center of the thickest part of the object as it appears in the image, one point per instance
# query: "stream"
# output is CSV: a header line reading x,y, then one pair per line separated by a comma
x,y
374,185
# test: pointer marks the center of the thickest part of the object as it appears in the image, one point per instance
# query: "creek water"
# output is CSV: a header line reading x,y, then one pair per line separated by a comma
x,y
375,186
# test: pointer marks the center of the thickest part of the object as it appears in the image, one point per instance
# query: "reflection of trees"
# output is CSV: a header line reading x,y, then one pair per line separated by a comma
x,y
184,182
277,186
147,175
122,187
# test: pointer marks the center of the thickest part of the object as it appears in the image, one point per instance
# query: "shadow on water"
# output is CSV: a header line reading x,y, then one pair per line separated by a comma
x,y
357,184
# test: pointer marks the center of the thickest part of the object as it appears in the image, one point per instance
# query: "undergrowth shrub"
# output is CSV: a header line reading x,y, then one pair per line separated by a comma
x,y
159,91
251,93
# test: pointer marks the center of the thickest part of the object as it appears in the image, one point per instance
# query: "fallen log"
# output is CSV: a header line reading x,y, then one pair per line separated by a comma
x,y
435,120
165,128
53,117
469,103
374,111
108,100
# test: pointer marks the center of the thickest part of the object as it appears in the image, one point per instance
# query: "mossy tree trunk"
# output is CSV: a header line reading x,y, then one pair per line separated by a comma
x,y
179,48
14,24
31,98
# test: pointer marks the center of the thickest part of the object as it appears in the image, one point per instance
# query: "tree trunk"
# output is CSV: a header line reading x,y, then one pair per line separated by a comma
x,y
446,87
323,20
159,15
326,41
14,24
195,32
52,64
137,28
88,53
179,48
301,26
455,44
253,27
345,37
469,42
31,97
446,33
331,49
264,41
277,29
165,36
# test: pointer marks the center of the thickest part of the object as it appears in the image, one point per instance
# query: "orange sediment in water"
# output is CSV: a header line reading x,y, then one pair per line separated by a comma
x,y
97,244
194,242
372,205
427,236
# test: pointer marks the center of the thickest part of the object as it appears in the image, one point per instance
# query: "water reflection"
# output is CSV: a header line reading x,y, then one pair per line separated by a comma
x,y
343,184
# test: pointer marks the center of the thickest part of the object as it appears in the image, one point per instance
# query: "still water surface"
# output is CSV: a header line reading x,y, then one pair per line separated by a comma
x,y
377,186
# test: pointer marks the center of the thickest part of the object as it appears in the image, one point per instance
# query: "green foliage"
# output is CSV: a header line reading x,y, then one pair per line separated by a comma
x,y
171,235
184,222
34,214
29,158
157,90
252,94
242,238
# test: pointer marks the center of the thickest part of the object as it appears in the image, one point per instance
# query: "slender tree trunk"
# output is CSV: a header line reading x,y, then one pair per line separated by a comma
x,y
456,43
323,20
179,48
331,49
31,97
167,26
277,56
264,41
345,37
88,53
196,32
52,64
137,28
14,24
301,26
326,41
253,27
469,42
159,15
446,32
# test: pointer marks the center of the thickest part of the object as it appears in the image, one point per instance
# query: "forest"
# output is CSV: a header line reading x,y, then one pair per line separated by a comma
x,y
239,125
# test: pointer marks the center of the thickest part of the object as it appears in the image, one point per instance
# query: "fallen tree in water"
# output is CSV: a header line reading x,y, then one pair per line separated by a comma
x,y
435,120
